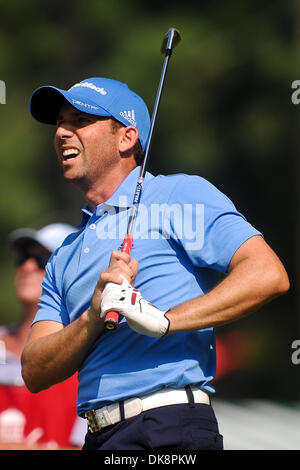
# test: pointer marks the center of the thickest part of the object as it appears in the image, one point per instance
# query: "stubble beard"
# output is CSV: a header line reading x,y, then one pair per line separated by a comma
x,y
85,179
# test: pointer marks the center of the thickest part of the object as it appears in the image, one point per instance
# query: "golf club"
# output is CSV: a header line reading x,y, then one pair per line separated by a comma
x,y
171,39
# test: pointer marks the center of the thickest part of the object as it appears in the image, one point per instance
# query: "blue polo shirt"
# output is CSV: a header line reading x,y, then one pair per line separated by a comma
x,y
185,235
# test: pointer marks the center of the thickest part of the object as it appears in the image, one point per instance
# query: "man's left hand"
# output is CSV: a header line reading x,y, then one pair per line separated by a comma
x,y
141,316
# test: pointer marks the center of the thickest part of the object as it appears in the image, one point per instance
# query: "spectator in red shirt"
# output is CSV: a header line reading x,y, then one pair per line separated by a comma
x,y
46,420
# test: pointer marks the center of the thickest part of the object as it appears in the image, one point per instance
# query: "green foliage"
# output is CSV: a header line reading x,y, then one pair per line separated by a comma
x,y
226,111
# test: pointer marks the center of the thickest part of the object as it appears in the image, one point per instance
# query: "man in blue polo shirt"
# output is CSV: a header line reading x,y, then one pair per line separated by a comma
x,y
195,264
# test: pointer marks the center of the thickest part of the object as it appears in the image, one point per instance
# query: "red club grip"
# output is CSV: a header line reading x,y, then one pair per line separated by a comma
x,y
127,244
112,318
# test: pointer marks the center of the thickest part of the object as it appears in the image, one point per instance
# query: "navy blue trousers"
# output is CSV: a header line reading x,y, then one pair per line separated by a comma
x,y
168,428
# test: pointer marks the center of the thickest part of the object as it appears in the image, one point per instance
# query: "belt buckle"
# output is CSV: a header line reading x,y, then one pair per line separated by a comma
x,y
100,418
91,417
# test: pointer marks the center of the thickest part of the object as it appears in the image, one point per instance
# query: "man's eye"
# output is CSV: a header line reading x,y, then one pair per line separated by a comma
x,y
78,120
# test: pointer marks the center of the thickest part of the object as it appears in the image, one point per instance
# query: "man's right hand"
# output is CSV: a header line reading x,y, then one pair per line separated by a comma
x,y
120,265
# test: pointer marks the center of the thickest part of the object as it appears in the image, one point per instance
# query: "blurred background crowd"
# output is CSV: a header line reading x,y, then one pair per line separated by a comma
x,y
226,114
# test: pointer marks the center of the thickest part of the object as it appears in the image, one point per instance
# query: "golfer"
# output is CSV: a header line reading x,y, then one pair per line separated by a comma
x,y
195,264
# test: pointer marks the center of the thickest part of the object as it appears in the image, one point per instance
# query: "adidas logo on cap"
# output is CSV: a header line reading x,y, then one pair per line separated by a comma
x,y
129,116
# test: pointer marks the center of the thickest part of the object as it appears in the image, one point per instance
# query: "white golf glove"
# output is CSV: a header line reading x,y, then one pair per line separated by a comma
x,y
141,316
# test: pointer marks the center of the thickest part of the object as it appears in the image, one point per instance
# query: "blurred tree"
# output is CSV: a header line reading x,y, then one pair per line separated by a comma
x,y
226,113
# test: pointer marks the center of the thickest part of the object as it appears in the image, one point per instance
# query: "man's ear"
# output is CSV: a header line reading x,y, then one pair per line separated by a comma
x,y
128,138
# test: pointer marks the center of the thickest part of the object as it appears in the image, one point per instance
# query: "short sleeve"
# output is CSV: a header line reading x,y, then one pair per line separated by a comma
x,y
208,226
51,305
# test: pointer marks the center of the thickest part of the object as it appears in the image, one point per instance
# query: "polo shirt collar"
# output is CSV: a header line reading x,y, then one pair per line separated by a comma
x,y
121,198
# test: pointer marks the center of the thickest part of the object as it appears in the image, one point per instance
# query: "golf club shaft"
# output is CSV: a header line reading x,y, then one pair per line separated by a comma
x,y
112,318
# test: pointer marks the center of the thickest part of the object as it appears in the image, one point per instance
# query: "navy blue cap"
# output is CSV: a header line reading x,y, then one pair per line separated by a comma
x,y
98,96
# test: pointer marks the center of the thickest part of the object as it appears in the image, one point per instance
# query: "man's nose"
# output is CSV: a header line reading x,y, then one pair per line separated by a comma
x,y
64,130
30,264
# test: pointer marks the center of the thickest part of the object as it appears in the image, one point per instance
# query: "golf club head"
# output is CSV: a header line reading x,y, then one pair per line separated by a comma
x,y
171,39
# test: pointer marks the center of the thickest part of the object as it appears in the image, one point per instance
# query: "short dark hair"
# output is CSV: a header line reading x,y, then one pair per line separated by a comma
x,y
138,151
